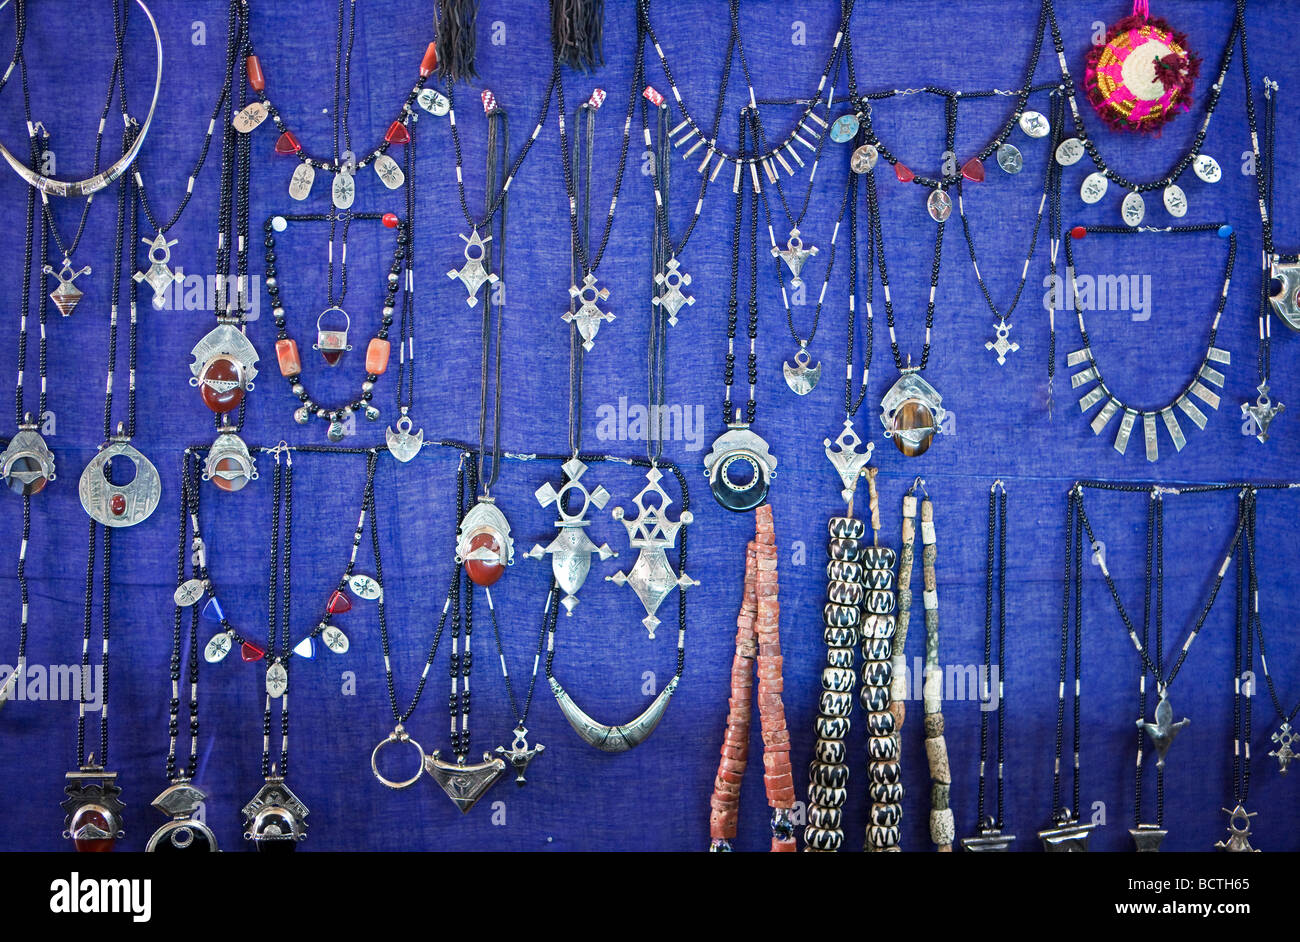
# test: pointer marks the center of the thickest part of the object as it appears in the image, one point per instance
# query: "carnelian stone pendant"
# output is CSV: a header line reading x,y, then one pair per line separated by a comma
x,y
903,173
430,61
286,352
339,603
398,134
256,79
377,356
973,170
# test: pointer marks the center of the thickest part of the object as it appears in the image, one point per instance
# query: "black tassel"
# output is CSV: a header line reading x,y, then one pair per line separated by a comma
x,y
576,32
457,40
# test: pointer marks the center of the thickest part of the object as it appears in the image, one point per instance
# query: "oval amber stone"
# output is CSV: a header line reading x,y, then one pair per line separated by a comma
x,y
286,352
377,356
912,414
92,816
484,572
222,384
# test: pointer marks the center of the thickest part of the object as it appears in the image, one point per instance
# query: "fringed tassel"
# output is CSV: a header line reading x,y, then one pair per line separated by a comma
x,y
577,28
457,40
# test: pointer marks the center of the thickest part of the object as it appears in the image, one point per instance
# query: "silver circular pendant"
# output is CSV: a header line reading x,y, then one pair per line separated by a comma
x,y
277,681
1134,209
1094,187
335,640
864,158
188,592
845,126
119,505
364,587
1069,152
1175,200
940,205
1207,168
1035,124
1010,159
218,647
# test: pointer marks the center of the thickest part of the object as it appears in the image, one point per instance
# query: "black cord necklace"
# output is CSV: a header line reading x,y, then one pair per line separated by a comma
x,y
1238,839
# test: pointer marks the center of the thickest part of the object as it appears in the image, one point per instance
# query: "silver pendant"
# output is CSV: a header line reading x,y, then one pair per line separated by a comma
x,y
912,413
801,378
794,255
251,117
472,274
739,450
433,101
1147,838
94,820
614,738
229,464
398,735
846,459
159,276
1164,729
1133,209
483,542
844,128
188,592
1035,124
277,680
571,550
1207,168
1069,152
332,340
27,464
335,640
344,189
864,158
1094,187
179,801
224,342
301,182
1286,302
520,753
1238,831
1068,836
67,294
219,645
1175,201
275,820
388,171
589,316
1010,159
116,505
1002,345
652,533
403,443
939,205
670,282
464,784
1285,737
365,587
1262,413
989,840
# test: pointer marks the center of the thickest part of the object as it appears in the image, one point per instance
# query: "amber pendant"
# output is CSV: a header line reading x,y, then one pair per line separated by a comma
x,y
483,543
94,821
912,413
332,334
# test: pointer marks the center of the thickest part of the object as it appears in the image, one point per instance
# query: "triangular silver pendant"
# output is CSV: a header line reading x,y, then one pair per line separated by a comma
x,y
464,784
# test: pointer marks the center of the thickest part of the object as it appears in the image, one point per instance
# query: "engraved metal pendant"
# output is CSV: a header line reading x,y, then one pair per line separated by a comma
x,y
740,468
1068,836
589,316
520,753
1175,201
473,275
304,175
344,189
224,366
1035,124
179,801
1010,159
464,784
159,276
846,459
332,339
27,464
571,550
390,174
614,738
939,205
670,282
277,680
802,378
119,505
1133,209
989,840
652,533
365,587
1147,838
67,294
402,442
433,101
1002,345
1207,168
1238,831
94,821
483,543
251,117
794,255
1094,187
1069,151
864,159
1262,412
912,413
1286,738
275,820
1286,300
1164,729
229,464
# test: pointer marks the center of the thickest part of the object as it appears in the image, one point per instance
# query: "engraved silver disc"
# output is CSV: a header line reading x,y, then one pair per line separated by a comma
x,y
344,190
1175,200
1010,159
940,205
1035,124
1134,209
188,592
1094,187
277,681
864,158
1207,168
1069,151
301,181
218,647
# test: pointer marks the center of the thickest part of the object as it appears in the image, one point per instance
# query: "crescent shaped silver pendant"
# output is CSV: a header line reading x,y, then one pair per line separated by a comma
x,y
104,178
614,738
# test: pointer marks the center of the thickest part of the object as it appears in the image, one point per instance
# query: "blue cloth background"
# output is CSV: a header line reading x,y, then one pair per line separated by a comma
x,y
655,797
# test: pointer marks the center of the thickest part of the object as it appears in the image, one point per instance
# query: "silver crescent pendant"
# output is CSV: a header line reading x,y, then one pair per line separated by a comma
x,y
402,442
614,738
119,505
801,377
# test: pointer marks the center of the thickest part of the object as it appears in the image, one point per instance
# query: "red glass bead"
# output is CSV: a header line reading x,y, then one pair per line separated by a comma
x,y
430,61
92,845
339,603
287,145
398,134
973,170
1078,232
903,173
391,220
484,572
251,652
256,80
222,384
117,505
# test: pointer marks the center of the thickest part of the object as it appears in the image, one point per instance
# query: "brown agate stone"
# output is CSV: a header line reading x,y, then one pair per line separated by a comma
x,y
912,414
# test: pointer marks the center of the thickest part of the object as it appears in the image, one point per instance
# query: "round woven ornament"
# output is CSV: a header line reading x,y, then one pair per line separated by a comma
x,y
1141,77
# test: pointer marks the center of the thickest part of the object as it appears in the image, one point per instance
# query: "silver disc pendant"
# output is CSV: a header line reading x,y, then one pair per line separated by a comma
x,y
1069,152
301,181
740,467
864,158
365,587
277,681
344,191
1094,187
119,505
1175,201
217,648
1010,159
844,128
335,640
1207,168
801,377
1035,124
433,101
389,173
1134,209
251,117
188,592
939,205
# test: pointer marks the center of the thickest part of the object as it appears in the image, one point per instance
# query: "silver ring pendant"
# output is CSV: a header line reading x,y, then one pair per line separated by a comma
x,y
739,444
399,734
103,179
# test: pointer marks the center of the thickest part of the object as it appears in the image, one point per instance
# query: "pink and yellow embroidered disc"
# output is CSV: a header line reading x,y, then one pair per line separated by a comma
x,y
1142,76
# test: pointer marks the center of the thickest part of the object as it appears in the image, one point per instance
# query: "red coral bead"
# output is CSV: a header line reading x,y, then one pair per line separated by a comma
x,y
391,220
1078,232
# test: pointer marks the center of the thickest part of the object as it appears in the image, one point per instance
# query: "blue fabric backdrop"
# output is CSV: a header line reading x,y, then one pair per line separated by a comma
x,y
655,797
